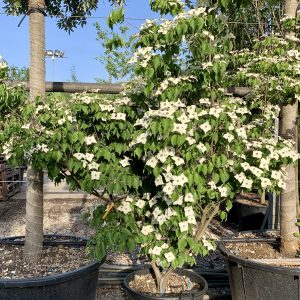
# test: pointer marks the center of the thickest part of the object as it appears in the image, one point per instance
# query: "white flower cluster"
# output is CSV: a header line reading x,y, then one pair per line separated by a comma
x,y
87,162
170,24
7,149
142,55
173,81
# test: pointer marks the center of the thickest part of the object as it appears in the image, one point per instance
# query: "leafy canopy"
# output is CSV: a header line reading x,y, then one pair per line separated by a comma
x,y
69,14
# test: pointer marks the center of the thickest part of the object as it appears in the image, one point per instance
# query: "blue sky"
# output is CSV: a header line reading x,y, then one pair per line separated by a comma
x,y
80,47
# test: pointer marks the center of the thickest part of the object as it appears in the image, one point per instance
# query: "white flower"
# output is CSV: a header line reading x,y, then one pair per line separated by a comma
x,y
190,140
158,181
276,175
169,256
156,250
125,208
204,101
281,184
214,111
192,220
170,212
245,166
229,137
189,211
142,138
179,201
183,118
169,189
189,197
180,128
79,156
89,157
274,155
152,162
264,163
129,199
265,182
208,245
212,185
93,166
90,140
257,154
147,229
205,127
201,147
241,132
240,177
178,160
161,219
125,162
223,191
156,212
256,171
152,202
158,236
118,116
61,121
140,203
95,175
164,246
247,183
184,226
179,180
206,65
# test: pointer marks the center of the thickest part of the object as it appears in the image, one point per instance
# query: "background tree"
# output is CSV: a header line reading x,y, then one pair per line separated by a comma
x,y
69,15
115,59
289,197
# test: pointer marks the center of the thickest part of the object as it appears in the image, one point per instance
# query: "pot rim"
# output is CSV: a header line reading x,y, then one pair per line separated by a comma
x,y
151,297
251,263
51,279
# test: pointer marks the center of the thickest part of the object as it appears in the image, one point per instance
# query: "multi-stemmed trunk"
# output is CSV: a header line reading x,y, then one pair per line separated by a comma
x,y
288,204
34,194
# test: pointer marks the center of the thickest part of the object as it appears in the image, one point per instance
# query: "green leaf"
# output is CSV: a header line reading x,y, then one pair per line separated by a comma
x,y
131,244
182,243
156,62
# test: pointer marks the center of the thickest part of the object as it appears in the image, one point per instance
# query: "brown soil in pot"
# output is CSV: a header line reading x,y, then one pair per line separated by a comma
x,y
54,260
176,284
255,250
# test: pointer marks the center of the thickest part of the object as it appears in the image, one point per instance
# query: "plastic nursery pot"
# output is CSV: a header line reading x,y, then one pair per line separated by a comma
x,y
250,216
188,295
79,284
251,280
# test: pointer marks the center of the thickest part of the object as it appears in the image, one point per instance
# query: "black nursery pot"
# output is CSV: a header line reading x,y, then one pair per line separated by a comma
x,y
250,217
79,284
251,280
188,295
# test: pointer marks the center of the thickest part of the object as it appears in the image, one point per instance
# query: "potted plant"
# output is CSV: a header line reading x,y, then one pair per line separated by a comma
x,y
194,150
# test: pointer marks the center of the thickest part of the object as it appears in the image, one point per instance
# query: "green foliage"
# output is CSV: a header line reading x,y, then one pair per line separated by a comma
x,y
174,149
69,14
118,50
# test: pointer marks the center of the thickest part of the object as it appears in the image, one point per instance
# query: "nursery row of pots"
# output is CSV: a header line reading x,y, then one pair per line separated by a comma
x,y
249,279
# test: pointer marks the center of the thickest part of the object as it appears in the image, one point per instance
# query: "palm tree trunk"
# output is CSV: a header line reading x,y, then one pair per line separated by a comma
x,y
288,205
34,194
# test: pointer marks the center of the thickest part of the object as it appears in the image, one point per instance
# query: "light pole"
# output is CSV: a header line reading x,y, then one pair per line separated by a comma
x,y
53,54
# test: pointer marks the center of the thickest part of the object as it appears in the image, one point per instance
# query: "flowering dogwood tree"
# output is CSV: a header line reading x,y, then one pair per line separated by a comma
x,y
170,153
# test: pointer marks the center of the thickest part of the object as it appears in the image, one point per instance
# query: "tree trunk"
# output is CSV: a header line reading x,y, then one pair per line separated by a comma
x,y
34,194
288,204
